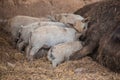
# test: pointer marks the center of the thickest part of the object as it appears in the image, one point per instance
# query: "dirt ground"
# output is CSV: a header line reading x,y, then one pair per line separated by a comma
x,y
13,65
39,8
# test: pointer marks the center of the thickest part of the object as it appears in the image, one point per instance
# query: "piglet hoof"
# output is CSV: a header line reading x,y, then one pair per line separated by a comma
x,y
30,58
76,56
54,67
54,64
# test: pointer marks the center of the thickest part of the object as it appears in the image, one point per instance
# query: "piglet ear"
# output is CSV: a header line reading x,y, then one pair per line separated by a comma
x,y
86,20
20,30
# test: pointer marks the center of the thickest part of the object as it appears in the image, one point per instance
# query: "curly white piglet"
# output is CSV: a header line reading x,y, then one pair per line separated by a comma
x,y
61,52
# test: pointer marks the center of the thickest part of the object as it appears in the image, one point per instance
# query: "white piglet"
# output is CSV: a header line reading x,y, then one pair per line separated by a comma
x,y
14,24
62,52
48,36
77,21
25,31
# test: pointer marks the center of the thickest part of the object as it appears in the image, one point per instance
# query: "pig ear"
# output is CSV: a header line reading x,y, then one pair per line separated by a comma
x,y
86,20
21,28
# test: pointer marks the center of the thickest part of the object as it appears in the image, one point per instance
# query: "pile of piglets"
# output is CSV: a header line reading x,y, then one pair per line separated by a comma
x,y
59,34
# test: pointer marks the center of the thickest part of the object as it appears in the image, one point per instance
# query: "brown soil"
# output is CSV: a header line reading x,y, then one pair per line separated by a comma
x,y
13,65
38,8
